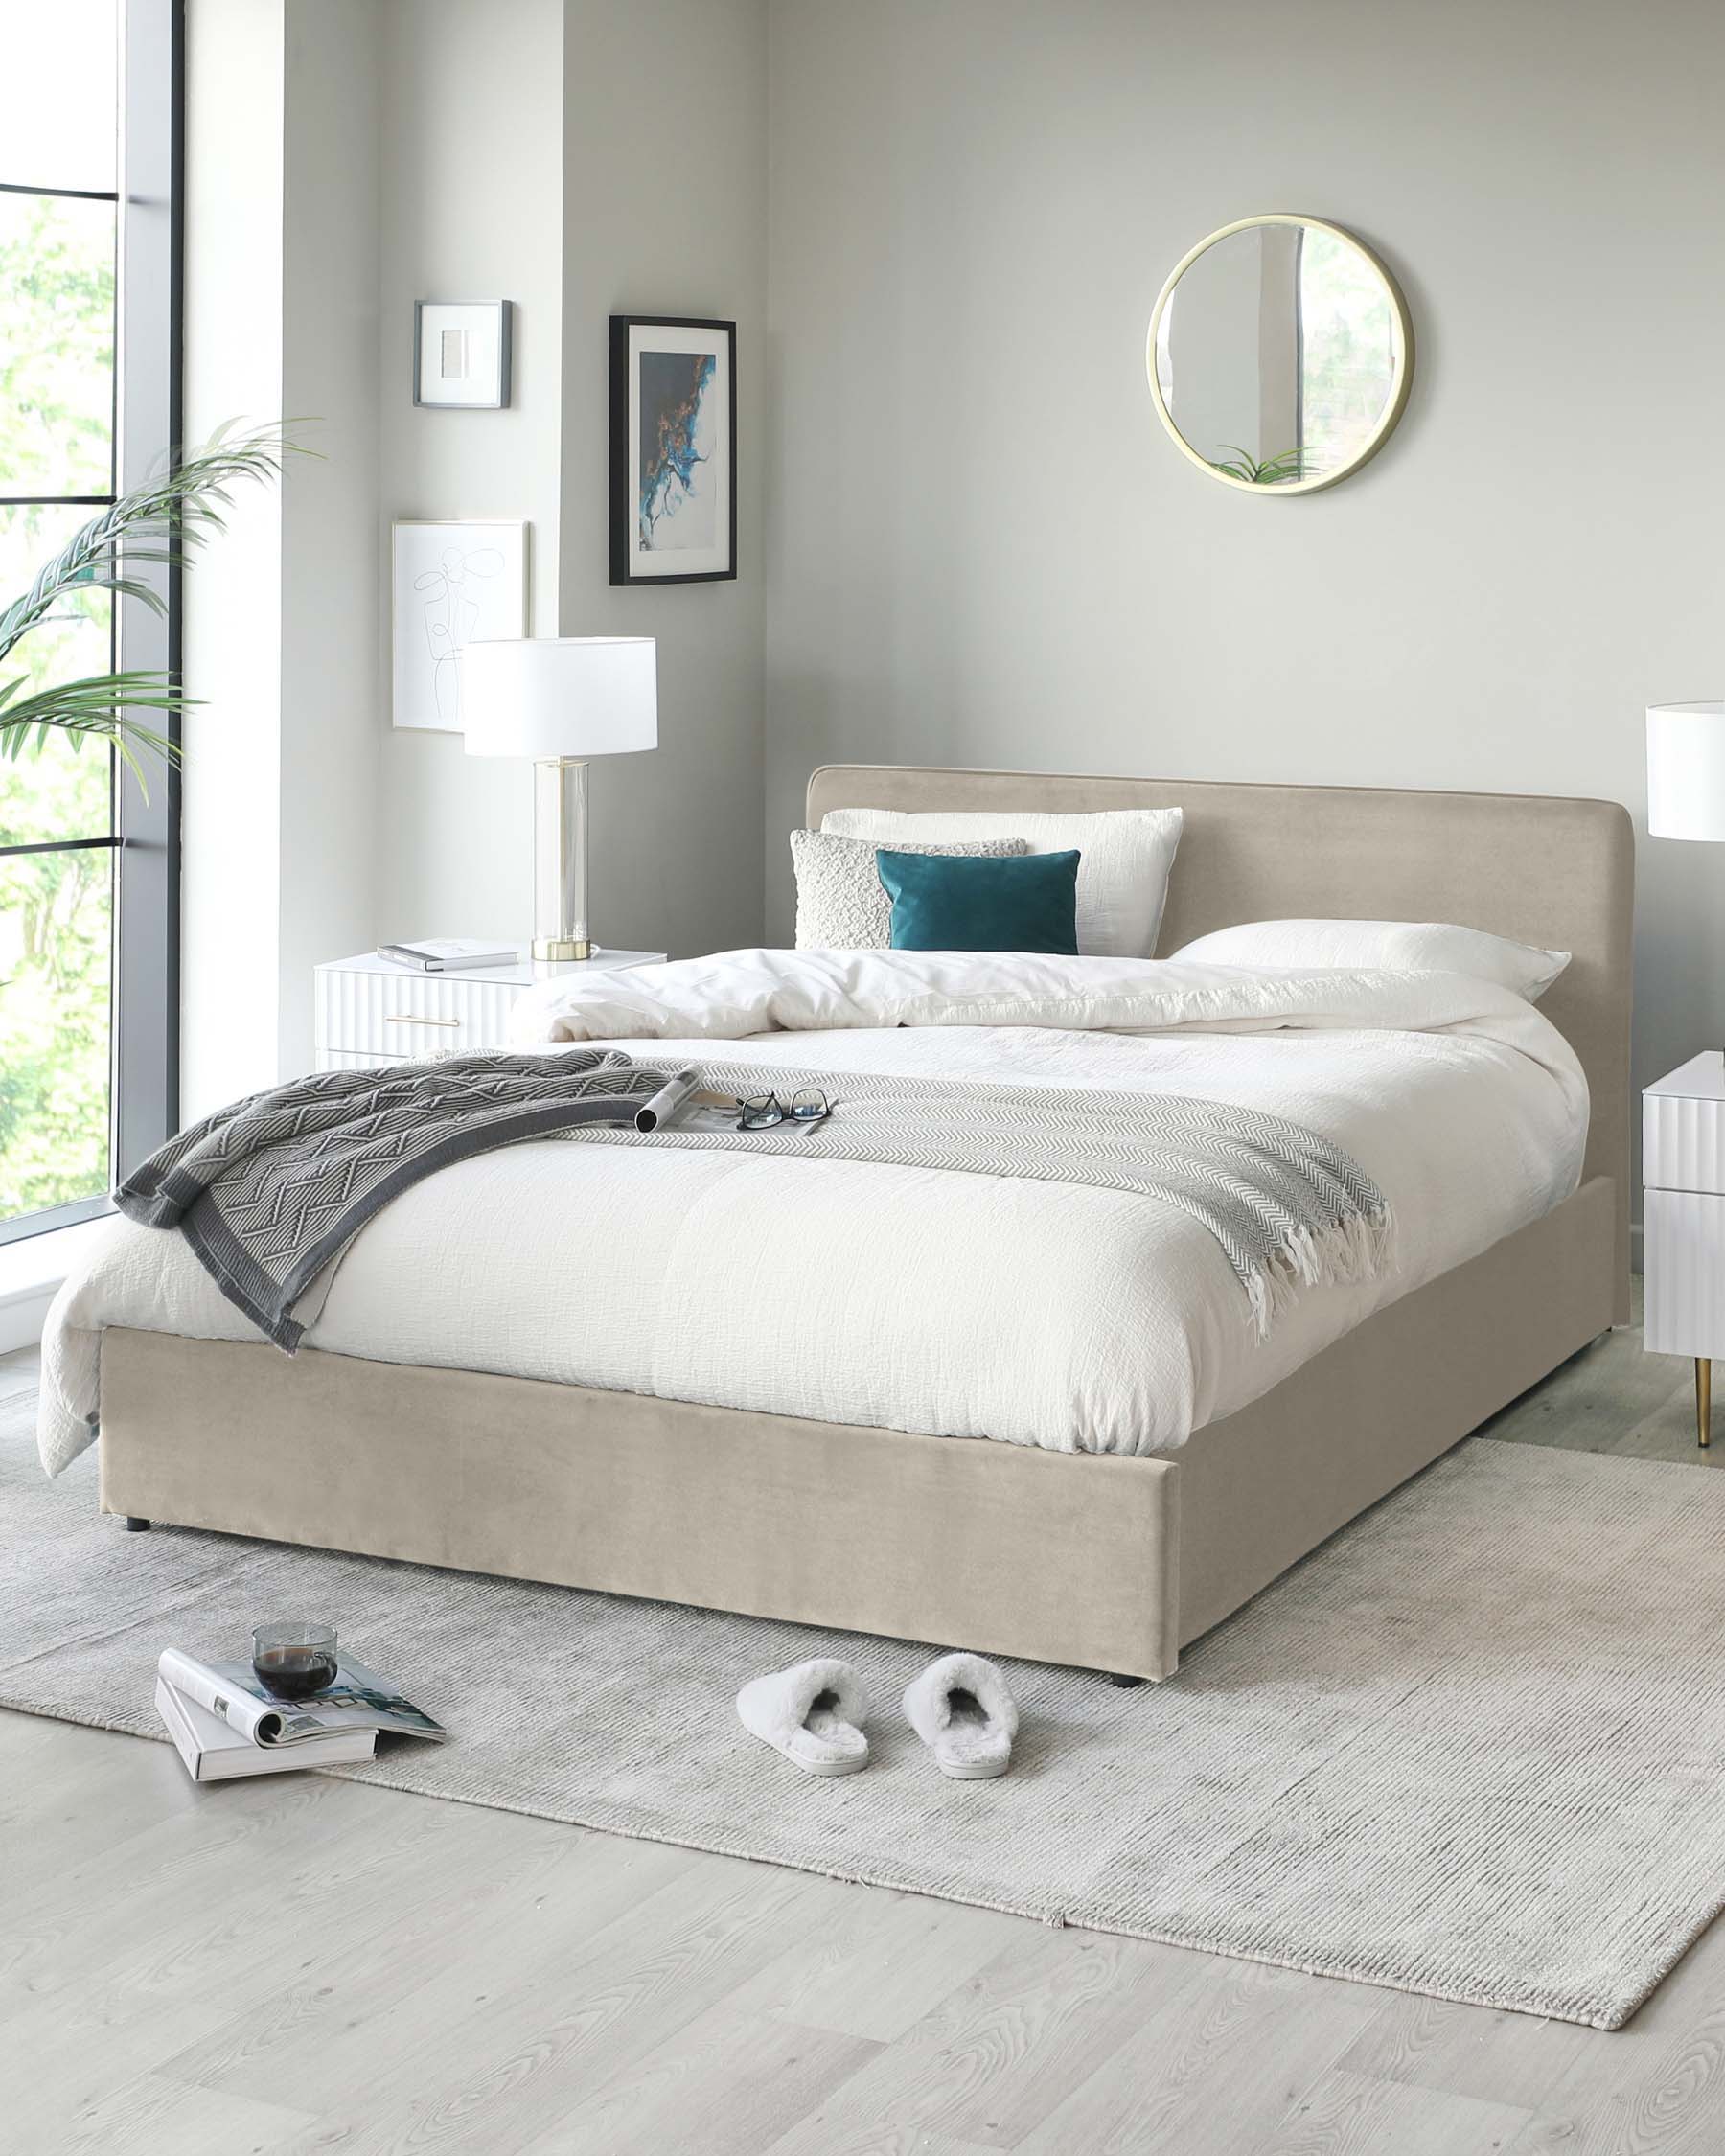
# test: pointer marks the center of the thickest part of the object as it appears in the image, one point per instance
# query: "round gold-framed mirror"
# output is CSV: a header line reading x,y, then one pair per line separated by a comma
x,y
1280,354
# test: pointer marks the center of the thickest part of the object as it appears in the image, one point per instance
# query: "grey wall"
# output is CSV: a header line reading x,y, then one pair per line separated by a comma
x,y
665,212
579,158
941,226
279,856
982,549
230,827
389,151
471,208
332,604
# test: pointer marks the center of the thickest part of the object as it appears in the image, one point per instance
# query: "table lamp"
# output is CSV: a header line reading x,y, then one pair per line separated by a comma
x,y
1686,770
559,700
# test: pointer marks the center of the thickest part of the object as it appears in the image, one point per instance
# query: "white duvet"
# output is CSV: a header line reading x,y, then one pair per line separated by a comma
x,y
971,1306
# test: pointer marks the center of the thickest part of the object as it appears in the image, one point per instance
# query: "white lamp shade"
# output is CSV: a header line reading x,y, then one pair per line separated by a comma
x,y
560,696
1686,770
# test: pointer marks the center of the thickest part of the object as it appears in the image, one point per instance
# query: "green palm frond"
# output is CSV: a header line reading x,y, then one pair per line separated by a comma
x,y
1271,472
96,709
161,523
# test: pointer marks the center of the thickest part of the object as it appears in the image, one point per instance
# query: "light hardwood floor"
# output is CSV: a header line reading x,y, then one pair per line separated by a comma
x,y
306,1965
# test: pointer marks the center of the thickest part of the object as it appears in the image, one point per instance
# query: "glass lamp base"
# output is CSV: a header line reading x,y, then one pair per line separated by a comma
x,y
559,857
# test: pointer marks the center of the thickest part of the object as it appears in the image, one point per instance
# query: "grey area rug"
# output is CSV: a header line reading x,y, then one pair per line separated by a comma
x,y
1472,1748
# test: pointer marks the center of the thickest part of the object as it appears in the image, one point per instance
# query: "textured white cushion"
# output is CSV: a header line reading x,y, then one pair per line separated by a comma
x,y
841,902
1434,947
1124,859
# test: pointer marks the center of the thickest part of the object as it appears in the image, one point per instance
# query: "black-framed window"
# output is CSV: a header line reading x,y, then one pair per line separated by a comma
x,y
89,364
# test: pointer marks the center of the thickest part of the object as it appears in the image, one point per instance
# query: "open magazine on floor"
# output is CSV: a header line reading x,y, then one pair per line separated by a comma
x,y
212,1751
358,1699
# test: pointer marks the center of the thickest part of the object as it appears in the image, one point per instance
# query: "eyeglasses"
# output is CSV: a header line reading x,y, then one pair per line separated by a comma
x,y
762,1111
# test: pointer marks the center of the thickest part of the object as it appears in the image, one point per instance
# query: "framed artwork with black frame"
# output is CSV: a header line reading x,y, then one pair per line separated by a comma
x,y
673,450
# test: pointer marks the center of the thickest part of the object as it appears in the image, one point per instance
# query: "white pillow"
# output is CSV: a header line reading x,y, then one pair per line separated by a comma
x,y
1415,946
842,904
1124,859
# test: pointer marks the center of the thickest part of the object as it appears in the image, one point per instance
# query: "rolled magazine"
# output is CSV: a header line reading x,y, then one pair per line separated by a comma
x,y
662,1108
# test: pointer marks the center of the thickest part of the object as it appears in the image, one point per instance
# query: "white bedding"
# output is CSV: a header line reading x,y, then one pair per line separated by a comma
x,y
1041,1314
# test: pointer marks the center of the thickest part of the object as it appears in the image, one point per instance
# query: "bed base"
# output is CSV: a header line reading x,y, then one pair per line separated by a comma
x,y
1104,1564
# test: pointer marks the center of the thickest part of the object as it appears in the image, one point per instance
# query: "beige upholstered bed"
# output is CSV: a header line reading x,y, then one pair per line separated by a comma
x,y
1108,1563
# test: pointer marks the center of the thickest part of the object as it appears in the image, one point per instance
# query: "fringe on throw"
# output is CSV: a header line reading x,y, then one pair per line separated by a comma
x,y
1358,1247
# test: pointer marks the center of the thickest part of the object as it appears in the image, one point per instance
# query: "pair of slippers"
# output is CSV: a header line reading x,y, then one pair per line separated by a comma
x,y
813,1713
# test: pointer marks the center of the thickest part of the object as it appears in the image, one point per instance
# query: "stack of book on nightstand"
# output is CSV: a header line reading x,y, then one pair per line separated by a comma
x,y
226,1723
450,954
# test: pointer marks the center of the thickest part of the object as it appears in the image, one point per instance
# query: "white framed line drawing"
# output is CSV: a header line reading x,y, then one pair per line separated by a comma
x,y
452,585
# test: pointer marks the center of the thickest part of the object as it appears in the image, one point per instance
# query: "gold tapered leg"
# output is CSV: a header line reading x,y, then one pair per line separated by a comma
x,y
1703,1399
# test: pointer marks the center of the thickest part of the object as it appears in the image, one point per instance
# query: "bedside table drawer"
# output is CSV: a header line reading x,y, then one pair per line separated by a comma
x,y
410,1015
1684,1255
1682,1142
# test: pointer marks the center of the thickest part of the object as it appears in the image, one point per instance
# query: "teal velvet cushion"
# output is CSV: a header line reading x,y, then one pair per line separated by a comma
x,y
953,901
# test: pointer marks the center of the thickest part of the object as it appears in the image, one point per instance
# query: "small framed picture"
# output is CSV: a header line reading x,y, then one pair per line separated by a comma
x,y
673,450
461,354
451,585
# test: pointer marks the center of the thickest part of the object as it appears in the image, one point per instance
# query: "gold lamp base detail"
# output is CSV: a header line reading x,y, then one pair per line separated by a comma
x,y
561,950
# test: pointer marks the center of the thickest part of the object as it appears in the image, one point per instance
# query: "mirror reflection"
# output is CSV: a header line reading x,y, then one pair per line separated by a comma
x,y
1280,354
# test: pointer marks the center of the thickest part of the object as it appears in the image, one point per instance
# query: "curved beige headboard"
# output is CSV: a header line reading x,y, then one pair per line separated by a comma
x,y
1541,868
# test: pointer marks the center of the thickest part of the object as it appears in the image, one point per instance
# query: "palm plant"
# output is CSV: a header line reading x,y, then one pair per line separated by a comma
x,y
162,522
1274,471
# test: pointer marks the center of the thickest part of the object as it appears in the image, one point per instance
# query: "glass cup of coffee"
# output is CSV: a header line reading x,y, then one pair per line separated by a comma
x,y
293,1661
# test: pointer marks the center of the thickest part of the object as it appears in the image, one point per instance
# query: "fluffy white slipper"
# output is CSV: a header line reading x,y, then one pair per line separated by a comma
x,y
811,1712
962,1711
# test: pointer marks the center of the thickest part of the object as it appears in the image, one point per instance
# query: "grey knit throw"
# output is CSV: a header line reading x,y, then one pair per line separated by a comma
x,y
269,1189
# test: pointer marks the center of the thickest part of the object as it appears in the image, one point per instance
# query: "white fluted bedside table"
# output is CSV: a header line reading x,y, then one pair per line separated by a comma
x,y
1683,1237
372,1009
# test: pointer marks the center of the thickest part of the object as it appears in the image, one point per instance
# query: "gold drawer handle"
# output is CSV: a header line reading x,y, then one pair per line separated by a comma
x,y
396,1019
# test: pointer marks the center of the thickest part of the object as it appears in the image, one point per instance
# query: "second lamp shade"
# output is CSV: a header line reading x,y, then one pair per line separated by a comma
x,y
1686,770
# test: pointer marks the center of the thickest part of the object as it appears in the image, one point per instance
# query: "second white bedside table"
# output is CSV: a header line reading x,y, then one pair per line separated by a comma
x,y
1683,1237
371,1010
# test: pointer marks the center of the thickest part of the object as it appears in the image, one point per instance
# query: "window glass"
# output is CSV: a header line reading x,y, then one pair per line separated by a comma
x,y
59,86
63,792
55,946
57,345
58,254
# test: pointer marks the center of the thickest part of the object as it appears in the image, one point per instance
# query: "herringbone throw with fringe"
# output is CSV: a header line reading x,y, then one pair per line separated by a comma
x,y
1289,1209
